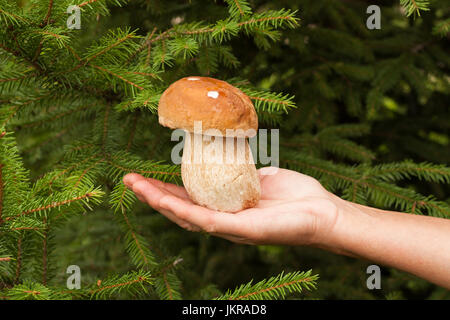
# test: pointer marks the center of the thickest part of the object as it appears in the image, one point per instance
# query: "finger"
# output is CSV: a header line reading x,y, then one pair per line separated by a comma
x,y
209,220
141,198
143,188
185,210
267,171
172,188
132,178
183,224
235,239
150,192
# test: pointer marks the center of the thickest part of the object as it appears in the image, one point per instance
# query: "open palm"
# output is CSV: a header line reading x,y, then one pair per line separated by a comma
x,y
294,209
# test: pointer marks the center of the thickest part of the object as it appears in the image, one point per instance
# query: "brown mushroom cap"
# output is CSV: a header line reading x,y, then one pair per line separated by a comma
x,y
216,103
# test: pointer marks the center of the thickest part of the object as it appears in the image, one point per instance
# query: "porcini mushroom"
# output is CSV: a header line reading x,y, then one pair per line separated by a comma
x,y
217,166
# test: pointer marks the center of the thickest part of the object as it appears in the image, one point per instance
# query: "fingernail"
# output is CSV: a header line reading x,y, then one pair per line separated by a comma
x,y
126,182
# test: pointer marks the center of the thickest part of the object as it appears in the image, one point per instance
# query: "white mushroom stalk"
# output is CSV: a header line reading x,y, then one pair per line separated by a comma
x,y
217,166
219,172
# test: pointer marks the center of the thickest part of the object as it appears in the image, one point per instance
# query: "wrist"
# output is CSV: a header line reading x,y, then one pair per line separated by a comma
x,y
347,227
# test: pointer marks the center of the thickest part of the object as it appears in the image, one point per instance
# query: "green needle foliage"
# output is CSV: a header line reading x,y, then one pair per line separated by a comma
x,y
364,111
274,287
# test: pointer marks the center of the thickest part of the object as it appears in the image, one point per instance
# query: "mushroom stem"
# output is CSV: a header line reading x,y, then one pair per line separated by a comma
x,y
219,173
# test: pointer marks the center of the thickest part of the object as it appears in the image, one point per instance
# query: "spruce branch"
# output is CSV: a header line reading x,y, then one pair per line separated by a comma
x,y
146,99
6,258
273,288
49,118
407,169
86,172
9,18
346,149
414,7
143,172
145,44
119,42
30,290
322,168
47,16
56,175
238,8
442,28
133,282
15,183
167,284
21,54
121,200
101,4
122,163
337,177
117,75
52,34
86,3
406,200
59,200
266,101
224,28
276,19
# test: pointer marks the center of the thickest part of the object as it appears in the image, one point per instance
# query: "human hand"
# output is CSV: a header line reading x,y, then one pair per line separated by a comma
x,y
294,210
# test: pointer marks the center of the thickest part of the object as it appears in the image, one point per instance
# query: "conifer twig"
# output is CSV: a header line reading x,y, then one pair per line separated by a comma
x,y
52,205
146,43
143,171
115,44
274,287
5,258
117,75
133,234
71,168
247,295
87,170
169,289
49,12
86,3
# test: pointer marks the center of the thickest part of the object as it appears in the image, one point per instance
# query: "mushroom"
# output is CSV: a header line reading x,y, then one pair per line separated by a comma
x,y
217,165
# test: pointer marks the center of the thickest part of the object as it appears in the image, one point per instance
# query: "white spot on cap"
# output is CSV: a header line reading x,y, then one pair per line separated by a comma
x,y
193,78
213,94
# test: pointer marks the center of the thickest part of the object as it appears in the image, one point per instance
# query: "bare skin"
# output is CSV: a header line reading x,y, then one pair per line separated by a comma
x,y
296,210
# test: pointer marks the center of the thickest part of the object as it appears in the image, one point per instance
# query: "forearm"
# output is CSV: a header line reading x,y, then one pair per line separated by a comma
x,y
416,244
